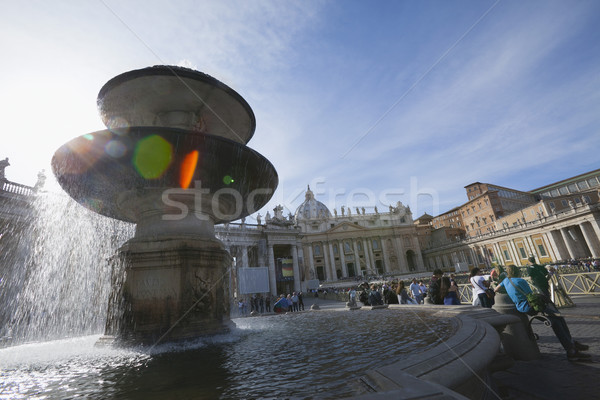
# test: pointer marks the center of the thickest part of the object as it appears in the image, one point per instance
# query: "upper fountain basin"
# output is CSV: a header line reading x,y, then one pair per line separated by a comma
x,y
124,173
176,97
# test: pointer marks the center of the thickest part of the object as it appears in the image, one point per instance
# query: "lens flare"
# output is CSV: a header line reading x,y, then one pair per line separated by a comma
x,y
115,149
228,180
152,157
188,167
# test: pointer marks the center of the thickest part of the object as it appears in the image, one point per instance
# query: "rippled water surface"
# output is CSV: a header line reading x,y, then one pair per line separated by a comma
x,y
280,356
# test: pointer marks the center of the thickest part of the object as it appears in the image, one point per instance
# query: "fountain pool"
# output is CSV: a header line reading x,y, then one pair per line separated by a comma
x,y
298,355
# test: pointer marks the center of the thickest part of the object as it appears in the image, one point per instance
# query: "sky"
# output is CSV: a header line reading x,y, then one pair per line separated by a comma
x,y
369,103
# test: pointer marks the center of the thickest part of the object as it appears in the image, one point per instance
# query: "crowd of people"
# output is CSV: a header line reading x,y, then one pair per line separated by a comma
x,y
257,303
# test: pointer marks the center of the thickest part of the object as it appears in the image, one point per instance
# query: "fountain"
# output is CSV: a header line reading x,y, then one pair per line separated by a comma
x,y
174,161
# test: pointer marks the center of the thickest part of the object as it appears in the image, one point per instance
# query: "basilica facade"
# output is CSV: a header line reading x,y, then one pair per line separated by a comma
x,y
314,245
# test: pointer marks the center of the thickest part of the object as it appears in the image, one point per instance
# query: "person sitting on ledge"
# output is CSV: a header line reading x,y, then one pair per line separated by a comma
x,y
517,289
434,287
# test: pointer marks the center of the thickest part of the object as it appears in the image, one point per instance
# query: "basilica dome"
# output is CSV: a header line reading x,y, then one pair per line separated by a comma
x,y
311,208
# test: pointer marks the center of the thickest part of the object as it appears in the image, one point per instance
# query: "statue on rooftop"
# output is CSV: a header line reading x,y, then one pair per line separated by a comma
x,y
3,164
278,210
41,180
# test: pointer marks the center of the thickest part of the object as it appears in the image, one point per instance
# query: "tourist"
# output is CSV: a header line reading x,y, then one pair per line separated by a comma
x,y
391,296
449,292
539,277
290,303
352,297
375,296
300,301
423,291
480,285
434,287
261,303
268,303
415,289
295,302
453,280
364,296
517,289
240,307
403,297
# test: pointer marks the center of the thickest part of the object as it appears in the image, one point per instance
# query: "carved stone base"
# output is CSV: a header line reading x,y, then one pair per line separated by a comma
x,y
174,289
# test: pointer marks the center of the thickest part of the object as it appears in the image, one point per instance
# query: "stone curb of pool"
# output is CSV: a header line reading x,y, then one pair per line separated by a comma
x,y
458,368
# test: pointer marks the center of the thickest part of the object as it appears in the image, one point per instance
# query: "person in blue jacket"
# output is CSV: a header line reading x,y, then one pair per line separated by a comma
x,y
517,289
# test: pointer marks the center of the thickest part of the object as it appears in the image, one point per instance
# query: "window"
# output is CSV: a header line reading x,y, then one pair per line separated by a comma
x,y
542,250
563,190
572,188
335,249
593,182
317,250
551,204
582,185
587,199
506,255
522,251
375,244
359,246
347,247
564,203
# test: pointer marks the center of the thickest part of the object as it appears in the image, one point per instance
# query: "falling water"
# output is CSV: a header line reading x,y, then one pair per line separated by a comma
x,y
57,272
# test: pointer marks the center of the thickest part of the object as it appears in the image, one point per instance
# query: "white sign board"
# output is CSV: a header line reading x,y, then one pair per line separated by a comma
x,y
312,284
253,280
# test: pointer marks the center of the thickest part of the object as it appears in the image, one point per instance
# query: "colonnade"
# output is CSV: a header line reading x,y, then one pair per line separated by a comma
x,y
364,256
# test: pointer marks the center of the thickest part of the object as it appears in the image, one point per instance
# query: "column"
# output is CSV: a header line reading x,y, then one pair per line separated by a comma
x,y
370,266
327,264
272,276
340,245
311,262
560,245
499,255
357,265
551,245
420,263
369,249
515,254
474,257
245,263
529,247
401,255
386,260
564,232
296,269
590,239
532,250
333,268
595,227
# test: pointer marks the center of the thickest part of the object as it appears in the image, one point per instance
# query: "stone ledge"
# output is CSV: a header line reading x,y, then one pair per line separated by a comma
x,y
458,364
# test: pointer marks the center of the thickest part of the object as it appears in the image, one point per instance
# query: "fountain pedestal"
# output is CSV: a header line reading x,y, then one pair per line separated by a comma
x,y
174,289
